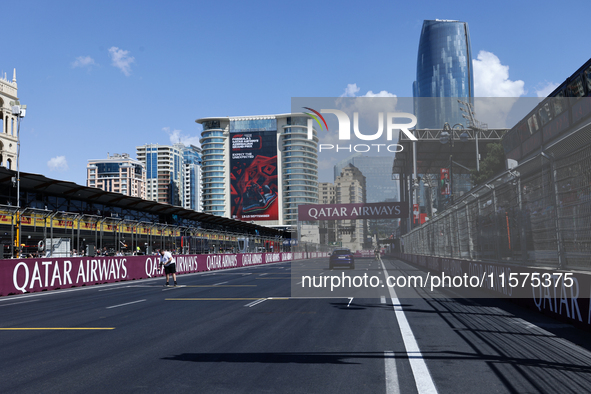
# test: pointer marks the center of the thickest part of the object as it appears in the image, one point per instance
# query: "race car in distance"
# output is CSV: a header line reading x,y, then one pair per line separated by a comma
x,y
341,258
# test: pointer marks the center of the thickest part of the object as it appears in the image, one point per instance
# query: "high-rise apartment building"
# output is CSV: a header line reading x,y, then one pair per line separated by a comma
x,y
171,175
350,188
8,122
192,197
327,228
259,168
118,173
378,175
444,74
326,193
380,187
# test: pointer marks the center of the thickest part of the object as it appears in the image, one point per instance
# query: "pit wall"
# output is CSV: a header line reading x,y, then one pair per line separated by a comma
x,y
19,276
568,304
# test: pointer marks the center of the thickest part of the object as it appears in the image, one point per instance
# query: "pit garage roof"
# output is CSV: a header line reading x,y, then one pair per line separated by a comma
x,y
41,184
432,155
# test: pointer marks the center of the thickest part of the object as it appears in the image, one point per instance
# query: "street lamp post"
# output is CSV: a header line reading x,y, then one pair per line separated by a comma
x,y
474,125
19,111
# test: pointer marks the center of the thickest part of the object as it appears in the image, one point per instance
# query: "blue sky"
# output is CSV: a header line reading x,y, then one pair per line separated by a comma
x,y
101,77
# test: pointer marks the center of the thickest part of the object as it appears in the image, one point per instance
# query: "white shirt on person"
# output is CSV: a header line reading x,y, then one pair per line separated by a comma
x,y
167,259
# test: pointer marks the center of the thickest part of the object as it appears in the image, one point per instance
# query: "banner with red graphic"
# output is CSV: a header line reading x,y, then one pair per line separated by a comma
x,y
253,177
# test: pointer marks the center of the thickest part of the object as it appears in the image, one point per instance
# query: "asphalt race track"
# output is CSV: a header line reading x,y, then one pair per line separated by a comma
x,y
239,331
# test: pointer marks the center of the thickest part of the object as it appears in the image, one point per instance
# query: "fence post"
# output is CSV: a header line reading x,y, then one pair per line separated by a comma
x,y
562,260
470,240
522,222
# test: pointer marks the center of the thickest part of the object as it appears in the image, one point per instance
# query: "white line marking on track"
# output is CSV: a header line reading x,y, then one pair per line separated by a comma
x,y
423,379
127,303
251,304
173,287
392,385
118,288
221,283
16,303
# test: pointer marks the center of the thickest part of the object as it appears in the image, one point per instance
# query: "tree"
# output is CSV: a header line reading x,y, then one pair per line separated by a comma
x,y
493,163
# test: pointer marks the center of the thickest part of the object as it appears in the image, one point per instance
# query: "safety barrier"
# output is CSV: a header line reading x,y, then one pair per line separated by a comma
x,y
19,276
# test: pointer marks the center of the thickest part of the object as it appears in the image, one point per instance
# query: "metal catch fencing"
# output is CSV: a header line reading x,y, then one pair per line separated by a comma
x,y
538,213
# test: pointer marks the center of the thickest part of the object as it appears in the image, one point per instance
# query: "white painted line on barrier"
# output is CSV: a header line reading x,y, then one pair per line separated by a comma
x,y
392,384
127,303
383,299
423,379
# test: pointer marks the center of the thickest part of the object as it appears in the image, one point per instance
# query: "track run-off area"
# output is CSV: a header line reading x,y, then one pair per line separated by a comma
x,y
241,331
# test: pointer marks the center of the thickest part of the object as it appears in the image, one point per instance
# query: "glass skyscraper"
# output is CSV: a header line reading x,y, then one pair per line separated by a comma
x,y
444,74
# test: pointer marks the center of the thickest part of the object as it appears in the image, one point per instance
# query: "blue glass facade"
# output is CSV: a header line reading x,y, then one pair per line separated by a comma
x,y
152,164
444,74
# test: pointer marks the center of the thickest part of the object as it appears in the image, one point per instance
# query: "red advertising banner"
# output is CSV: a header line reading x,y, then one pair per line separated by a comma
x,y
19,276
253,177
377,210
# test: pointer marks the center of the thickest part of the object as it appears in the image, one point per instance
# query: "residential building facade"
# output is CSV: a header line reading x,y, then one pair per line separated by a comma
x,y
173,174
350,188
328,228
118,173
8,122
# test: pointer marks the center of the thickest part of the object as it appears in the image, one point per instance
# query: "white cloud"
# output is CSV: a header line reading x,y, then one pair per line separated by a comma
x,y
495,94
176,136
121,60
383,93
546,90
352,89
83,61
491,78
58,163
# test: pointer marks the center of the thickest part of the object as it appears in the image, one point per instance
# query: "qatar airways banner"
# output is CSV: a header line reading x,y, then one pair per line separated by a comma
x,y
19,276
377,210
